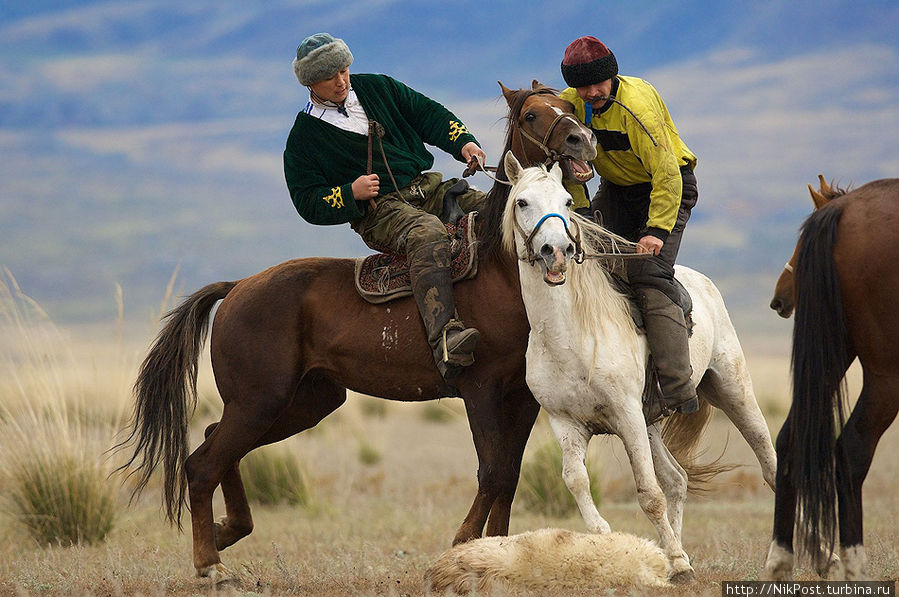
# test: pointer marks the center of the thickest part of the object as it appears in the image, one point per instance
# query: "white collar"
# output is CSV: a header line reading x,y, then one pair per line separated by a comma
x,y
350,101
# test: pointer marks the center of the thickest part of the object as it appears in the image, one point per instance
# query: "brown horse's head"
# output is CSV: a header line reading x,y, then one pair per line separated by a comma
x,y
543,128
784,290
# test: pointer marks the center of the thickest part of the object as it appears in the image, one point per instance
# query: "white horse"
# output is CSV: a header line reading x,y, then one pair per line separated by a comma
x,y
586,363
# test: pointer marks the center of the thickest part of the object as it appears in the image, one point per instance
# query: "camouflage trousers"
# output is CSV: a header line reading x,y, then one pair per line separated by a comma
x,y
407,222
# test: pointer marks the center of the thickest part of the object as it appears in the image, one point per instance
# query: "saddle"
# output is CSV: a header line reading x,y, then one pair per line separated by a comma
x,y
383,277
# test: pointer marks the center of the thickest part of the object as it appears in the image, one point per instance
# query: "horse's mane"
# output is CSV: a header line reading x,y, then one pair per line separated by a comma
x,y
599,307
832,192
491,217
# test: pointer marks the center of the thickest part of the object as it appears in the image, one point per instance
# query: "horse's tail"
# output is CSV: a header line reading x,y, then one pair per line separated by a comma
x,y
682,434
166,382
819,361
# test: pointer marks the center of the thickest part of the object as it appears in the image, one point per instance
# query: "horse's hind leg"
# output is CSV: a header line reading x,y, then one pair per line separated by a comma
x,y
727,385
873,414
574,439
315,399
672,478
633,434
207,466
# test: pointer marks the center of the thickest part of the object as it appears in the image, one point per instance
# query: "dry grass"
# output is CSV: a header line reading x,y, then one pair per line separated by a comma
x,y
377,525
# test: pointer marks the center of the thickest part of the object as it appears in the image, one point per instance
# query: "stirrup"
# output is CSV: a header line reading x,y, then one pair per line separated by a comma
x,y
463,351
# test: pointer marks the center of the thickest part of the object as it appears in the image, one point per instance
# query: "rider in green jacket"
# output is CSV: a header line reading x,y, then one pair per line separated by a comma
x,y
335,173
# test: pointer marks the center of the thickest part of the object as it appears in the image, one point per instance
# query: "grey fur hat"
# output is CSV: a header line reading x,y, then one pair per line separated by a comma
x,y
320,57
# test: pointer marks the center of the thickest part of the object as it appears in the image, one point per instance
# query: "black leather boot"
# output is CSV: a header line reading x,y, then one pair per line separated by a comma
x,y
452,344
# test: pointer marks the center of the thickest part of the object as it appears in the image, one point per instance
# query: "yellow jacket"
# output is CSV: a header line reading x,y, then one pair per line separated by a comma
x,y
628,155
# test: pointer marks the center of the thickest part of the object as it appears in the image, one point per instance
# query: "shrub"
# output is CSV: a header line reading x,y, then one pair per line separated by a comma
x,y
542,490
368,454
61,499
274,475
53,431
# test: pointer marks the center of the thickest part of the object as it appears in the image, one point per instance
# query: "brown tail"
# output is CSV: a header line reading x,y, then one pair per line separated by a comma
x,y
167,381
681,434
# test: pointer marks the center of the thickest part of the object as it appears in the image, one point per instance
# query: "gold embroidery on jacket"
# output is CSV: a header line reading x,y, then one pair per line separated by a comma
x,y
335,199
456,130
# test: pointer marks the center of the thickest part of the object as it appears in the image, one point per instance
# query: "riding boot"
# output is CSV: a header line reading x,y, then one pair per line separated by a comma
x,y
666,333
452,344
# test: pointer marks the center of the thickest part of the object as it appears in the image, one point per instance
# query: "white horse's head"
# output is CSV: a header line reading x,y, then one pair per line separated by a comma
x,y
537,218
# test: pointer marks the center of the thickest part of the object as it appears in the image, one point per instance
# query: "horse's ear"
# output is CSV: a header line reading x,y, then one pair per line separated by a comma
x,y
537,85
507,93
513,167
556,172
823,187
817,198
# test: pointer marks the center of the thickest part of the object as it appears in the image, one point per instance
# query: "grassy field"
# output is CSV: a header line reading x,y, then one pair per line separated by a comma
x,y
389,482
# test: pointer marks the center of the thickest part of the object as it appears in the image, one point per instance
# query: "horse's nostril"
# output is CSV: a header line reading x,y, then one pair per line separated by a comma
x,y
569,250
776,304
546,251
573,140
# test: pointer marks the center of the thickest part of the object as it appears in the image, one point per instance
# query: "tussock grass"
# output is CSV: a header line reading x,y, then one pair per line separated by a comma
x,y
274,475
368,454
541,489
53,432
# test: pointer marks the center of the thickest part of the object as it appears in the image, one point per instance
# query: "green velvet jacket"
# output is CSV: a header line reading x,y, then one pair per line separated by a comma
x,y
321,161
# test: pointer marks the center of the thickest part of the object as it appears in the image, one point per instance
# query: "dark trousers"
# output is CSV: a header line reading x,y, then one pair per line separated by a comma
x,y
625,210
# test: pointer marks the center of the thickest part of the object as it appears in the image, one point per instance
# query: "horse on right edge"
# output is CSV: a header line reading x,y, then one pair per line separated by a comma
x,y
846,298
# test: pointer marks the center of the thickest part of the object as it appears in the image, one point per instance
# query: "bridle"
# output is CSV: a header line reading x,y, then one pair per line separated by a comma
x,y
552,156
532,257
579,254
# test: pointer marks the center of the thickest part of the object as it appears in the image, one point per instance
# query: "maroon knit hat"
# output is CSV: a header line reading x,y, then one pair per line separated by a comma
x,y
588,61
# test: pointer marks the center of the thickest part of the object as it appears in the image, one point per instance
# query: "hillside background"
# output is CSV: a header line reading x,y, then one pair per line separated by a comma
x,y
139,138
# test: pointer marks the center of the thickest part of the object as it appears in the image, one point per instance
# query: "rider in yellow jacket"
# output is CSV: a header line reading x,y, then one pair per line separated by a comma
x,y
647,192
629,154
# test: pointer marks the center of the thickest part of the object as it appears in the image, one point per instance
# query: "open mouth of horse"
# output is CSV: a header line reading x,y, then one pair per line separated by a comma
x,y
553,278
578,170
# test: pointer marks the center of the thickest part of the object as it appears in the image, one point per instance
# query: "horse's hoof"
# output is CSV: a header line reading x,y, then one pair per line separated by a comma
x,y
684,577
217,573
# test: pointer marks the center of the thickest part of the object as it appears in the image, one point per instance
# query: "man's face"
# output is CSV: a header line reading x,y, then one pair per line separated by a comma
x,y
590,93
334,89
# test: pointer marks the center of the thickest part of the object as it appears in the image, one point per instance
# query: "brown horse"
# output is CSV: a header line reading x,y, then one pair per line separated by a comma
x,y
288,342
784,299
847,286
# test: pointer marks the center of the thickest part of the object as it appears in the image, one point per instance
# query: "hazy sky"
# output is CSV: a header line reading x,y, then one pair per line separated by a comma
x,y
137,136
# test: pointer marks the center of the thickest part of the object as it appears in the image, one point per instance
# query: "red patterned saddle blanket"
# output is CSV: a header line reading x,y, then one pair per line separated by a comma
x,y
383,277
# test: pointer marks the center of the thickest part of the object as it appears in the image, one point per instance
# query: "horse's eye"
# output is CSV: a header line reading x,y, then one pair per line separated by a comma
x,y
521,203
530,116
569,203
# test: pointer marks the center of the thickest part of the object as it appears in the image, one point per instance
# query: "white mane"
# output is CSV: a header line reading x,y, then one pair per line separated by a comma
x,y
599,308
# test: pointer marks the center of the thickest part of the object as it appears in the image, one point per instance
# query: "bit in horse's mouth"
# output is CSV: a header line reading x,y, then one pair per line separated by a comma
x,y
579,170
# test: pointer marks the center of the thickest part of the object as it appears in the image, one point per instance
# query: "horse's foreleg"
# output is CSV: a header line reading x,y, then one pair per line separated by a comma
x,y
519,413
574,439
484,415
779,562
672,478
652,500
